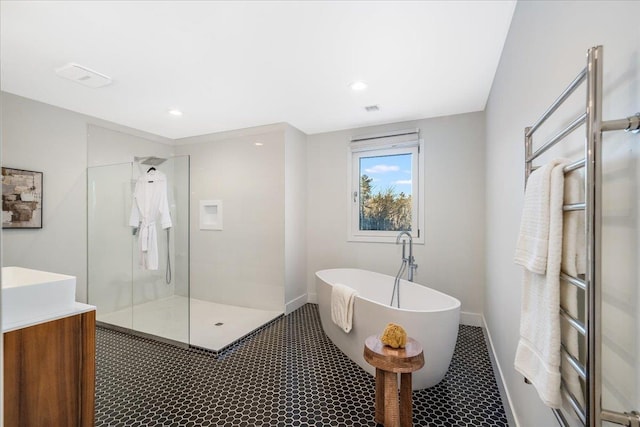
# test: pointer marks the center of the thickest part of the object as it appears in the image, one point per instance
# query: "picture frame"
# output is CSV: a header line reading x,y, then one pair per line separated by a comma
x,y
21,198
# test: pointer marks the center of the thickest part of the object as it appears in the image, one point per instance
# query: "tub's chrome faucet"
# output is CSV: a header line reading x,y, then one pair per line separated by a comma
x,y
410,260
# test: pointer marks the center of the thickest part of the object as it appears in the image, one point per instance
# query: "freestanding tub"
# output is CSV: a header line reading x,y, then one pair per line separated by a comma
x,y
428,316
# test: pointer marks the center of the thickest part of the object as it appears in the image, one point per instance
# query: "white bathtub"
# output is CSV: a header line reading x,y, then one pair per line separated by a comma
x,y
428,316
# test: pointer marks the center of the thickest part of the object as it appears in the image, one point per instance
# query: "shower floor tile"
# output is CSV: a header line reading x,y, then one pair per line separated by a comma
x,y
288,374
213,326
164,317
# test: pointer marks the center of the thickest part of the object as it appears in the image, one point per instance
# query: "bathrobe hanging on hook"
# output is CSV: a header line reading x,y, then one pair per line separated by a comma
x,y
150,202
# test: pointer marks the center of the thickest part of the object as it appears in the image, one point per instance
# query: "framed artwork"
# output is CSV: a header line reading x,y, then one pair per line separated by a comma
x,y
21,198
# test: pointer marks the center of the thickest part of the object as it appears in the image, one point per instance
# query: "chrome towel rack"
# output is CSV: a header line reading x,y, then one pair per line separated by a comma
x,y
591,414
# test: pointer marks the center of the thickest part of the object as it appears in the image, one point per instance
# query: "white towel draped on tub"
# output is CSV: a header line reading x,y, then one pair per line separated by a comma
x,y
539,250
342,299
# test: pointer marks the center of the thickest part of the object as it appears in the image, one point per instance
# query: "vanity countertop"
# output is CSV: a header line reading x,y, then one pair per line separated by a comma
x,y
78,308
30,297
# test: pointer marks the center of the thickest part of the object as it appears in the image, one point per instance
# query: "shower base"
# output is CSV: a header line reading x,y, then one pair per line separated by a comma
x,y
213,326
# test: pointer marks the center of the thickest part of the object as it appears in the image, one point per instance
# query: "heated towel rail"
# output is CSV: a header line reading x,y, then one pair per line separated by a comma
x,y
592,414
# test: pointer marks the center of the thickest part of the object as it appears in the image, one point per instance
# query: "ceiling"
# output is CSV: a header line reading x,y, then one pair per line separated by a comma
x,y
232,65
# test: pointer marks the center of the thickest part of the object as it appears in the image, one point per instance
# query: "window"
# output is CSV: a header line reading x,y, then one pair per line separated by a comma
x,y
385,189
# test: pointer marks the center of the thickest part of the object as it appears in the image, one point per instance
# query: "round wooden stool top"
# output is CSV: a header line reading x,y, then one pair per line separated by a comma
x,y
398,360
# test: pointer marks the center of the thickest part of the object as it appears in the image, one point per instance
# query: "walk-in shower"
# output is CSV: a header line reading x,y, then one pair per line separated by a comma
x,y
129,294
166,302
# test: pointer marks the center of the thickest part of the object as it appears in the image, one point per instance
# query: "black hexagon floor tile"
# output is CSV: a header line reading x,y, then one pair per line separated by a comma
x,y
288,374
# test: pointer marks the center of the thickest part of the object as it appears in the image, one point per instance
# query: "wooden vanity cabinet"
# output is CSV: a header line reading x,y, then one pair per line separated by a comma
x,y
49,373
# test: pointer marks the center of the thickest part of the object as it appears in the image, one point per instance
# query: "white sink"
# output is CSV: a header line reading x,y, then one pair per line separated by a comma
x,y
33,295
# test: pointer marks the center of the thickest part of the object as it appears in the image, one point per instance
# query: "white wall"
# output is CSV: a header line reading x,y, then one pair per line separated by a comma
x,y
109,146
544,51
52,140
243,264
295,218
451,259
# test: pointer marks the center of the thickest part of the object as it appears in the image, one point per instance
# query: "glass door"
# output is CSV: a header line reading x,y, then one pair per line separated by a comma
x,y
109,249
127,295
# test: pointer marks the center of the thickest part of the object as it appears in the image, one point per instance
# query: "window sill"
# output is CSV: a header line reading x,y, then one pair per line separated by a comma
x,y
382,239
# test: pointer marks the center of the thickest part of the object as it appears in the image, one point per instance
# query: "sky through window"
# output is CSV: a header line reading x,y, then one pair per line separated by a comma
x,y
388,172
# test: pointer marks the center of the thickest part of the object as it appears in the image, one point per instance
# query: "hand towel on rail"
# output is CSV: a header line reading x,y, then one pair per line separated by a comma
x,y
342,299
533,239
574,256
538,352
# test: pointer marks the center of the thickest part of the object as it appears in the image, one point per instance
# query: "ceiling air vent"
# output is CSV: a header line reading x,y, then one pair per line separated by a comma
x,y
372,108
83,75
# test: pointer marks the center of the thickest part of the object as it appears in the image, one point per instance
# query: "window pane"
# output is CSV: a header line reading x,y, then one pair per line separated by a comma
x,y
385,192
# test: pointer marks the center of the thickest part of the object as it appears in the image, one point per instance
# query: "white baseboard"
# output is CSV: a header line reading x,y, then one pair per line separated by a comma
x,y
295,304
312,298
511,417
470,319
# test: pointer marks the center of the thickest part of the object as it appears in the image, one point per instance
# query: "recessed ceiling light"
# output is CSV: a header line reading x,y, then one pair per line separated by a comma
x,y
358,85
258,144
175,112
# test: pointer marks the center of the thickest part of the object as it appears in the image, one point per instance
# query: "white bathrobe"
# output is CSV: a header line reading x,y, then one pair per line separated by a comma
x,y
149,202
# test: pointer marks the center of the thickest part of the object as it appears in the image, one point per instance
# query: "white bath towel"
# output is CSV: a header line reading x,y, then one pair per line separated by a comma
x,y
538,352
574,256
533,239
342,299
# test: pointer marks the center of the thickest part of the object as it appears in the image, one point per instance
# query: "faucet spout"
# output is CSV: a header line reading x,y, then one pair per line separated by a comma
x,y
403,233
410,260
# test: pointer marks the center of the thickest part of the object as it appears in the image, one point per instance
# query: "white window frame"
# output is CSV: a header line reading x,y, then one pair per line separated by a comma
x,y
385,147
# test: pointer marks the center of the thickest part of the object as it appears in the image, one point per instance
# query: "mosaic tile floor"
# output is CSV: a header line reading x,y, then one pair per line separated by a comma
x,y
288,374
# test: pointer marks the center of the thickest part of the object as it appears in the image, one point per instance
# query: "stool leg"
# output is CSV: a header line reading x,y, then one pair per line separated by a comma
x,y
391,410
379,396
406,404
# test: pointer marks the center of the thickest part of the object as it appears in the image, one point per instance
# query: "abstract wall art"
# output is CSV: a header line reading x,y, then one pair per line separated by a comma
x,y
21,198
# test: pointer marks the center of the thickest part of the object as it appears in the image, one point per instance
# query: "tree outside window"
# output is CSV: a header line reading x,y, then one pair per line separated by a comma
x,y
385,196
385,180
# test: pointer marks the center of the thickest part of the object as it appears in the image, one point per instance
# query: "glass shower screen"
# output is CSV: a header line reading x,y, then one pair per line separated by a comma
x,y
152,302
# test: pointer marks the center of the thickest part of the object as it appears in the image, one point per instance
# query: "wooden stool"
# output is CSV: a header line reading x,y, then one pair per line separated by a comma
x,y
388,363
